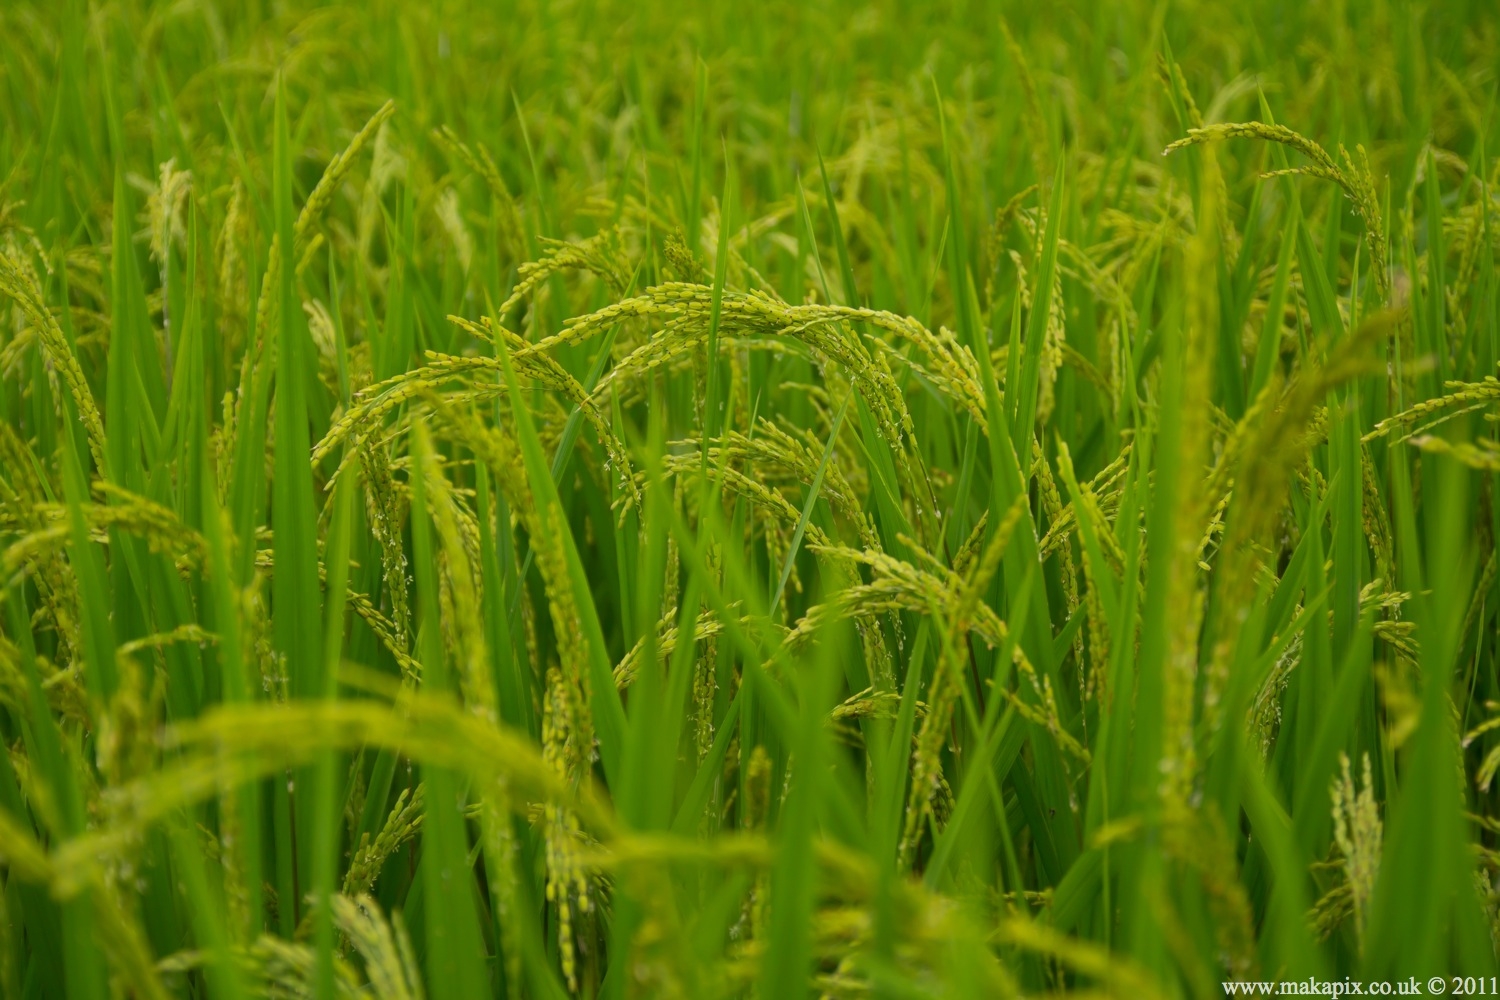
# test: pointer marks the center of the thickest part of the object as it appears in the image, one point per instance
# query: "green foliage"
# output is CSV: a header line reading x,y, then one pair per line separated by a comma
x,y
626,500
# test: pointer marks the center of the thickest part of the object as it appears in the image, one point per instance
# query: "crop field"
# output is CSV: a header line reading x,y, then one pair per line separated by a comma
x,y
781,499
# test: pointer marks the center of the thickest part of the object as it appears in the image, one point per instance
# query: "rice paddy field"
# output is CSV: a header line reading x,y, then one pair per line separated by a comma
x,y
650,500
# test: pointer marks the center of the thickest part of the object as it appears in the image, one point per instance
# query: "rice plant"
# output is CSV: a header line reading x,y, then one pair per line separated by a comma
x,y
600,499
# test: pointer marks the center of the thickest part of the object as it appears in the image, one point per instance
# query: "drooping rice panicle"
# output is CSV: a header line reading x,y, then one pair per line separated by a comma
x,y
639,500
